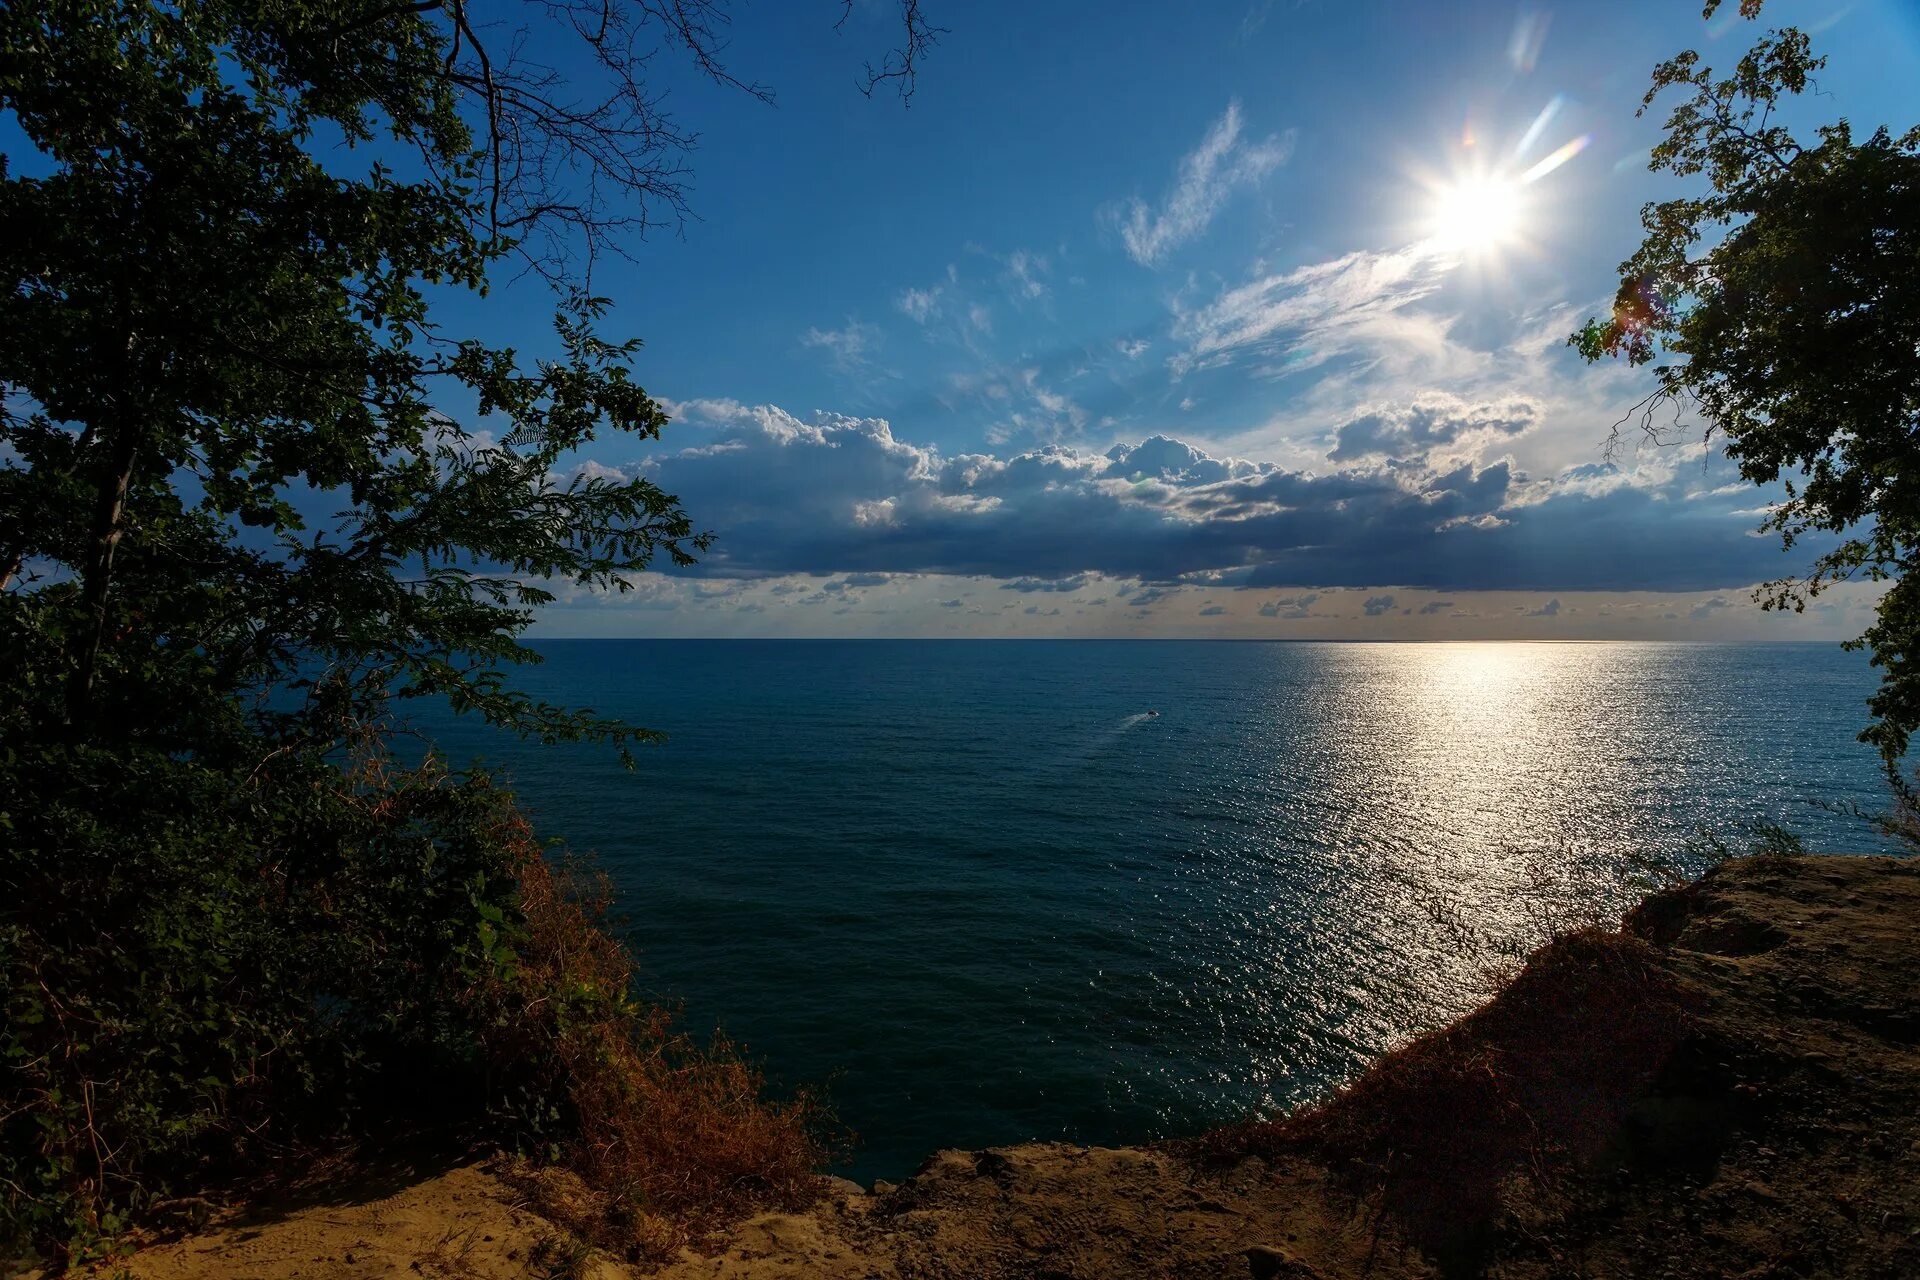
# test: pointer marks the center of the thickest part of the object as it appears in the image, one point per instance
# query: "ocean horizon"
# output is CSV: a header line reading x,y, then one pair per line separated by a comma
x,y
1106,891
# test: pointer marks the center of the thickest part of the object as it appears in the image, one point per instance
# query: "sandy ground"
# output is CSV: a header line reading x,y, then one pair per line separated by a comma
x,y
1782,1140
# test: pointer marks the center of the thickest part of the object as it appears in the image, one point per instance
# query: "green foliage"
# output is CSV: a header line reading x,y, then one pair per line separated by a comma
x,y
253,498
1782,305
219,967
238,524
205,330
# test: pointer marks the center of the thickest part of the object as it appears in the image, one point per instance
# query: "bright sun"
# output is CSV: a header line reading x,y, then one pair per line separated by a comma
x,y
1477,214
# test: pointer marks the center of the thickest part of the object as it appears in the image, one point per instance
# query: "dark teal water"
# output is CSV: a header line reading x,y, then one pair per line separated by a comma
x,y
979,893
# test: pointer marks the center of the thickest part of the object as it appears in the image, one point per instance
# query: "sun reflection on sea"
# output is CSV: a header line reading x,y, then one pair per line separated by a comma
x,y
1453,848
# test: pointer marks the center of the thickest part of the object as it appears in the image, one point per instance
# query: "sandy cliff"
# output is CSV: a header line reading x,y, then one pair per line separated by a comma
x,y
1730,1085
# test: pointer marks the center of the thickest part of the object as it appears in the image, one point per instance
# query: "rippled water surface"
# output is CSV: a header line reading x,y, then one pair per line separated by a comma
x,y
977,890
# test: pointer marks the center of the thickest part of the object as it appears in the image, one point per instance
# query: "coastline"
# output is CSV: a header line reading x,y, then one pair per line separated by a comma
x,y
1730,1085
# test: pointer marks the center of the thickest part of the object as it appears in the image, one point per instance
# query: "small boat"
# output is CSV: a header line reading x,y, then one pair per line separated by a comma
x,y
1152,712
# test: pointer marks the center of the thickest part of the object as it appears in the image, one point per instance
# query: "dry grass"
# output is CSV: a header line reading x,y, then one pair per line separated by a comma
x,y
668,1139
1445,1132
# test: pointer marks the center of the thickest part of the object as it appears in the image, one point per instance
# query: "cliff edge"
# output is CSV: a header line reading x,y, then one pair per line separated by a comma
x,y
1728,1085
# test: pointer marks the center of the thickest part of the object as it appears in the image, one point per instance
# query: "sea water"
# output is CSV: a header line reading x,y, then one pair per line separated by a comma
x,y
979,892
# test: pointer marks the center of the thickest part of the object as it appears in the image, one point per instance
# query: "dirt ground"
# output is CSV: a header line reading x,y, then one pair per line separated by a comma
x,y
1771,1130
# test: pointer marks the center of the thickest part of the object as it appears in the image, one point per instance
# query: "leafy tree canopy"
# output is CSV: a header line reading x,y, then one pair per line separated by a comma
x,y
251,492
1781,304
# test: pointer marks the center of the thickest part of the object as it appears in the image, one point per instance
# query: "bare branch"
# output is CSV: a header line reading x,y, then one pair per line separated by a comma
x,y
902,63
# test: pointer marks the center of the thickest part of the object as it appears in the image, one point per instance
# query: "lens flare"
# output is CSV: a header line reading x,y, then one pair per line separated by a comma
x,y
1557,159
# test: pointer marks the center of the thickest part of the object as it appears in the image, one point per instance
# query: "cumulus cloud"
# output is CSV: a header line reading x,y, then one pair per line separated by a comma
x,y
1551,609
1436,606
1207,176
1213,611
838,494
1377,605
1433,423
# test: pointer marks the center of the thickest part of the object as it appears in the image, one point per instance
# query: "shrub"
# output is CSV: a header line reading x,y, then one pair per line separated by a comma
x,y
207,970
1538,1081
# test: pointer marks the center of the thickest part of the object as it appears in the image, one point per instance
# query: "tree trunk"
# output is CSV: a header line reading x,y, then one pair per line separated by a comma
x,y
107,529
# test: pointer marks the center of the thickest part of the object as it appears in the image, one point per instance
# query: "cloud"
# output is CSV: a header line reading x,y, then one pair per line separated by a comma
x,y
1044,584
1300,319
1147,596
1213,611
1207,176
1436,606
1289,607
918,304
849,347
838,494
1434,422
1024,275
1377,605
1551,609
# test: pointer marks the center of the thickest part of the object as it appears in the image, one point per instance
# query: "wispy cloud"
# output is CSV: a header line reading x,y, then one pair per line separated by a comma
x,y
1207,176
850,347
918,304
1026,272
1304,317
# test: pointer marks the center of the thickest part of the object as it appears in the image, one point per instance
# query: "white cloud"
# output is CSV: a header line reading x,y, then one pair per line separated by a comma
x,y
1025,271
850,347
1207,175
918,304
834,493
1435,427
1300,319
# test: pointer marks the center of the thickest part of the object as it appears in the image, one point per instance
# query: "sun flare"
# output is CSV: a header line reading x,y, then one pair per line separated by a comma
x,y
1477,214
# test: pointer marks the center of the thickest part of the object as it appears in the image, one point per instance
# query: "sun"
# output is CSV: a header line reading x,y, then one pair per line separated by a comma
x,y
1477,214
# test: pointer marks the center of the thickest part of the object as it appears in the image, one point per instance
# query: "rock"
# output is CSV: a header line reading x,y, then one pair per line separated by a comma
x,y
881,1187
186,1213
1269,1262
994,1164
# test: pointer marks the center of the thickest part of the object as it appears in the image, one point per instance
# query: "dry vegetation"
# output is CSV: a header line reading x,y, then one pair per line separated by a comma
x,y
668,1139
1728,1085
1546,1072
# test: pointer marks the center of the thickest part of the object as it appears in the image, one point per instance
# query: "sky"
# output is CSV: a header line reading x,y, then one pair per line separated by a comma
x,y
1230,319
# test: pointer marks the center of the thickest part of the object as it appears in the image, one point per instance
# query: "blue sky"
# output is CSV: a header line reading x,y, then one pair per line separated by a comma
x,y
1140,322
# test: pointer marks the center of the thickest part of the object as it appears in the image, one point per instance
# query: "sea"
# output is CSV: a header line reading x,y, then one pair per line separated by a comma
x,y
980,892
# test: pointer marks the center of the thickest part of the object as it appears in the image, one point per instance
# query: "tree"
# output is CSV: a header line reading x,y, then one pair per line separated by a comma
x,y
252,492
1782,306
215,315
